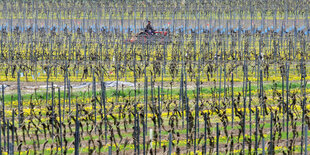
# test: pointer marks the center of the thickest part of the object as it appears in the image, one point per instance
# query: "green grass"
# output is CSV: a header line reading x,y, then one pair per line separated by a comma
x,y
140,92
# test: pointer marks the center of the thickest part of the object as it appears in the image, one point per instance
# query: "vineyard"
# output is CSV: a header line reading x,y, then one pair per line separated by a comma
x,y
228,77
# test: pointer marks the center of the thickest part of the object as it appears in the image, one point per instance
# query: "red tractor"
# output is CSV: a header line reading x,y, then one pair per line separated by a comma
x,y
145,37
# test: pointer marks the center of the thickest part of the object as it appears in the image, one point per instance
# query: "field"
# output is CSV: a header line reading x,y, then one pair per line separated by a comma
x,y
229,78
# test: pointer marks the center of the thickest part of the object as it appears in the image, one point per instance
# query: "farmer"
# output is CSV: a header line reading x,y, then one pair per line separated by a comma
x,y
149,29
